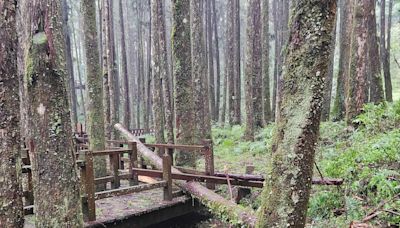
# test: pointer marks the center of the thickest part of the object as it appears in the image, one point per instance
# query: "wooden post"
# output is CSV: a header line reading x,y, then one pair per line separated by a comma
x,y
209,160
167,176
29,197
133,158
114,160
120,161
141,163
89,206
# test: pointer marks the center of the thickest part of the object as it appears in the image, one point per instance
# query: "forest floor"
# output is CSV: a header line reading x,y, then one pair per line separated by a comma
x,y
366,157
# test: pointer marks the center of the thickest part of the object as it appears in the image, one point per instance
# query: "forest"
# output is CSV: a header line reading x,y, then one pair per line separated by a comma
x,y
199,113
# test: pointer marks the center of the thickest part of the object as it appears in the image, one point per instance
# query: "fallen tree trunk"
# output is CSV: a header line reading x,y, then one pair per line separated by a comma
x,y
216,203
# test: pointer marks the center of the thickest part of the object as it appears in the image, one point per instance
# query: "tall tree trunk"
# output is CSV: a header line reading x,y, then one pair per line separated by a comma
x,y
346,24
286,192
326,107
210,58
266,103
376,86
386,60
356,84
78,67
141,81
236,63
105,66
12,213
71,86
95,118
161,67
184,106
217,62
253,70
158,70
51,149
230,63
200,91
127,108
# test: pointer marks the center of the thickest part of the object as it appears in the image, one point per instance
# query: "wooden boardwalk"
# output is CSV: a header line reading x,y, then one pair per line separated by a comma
x,y
135,210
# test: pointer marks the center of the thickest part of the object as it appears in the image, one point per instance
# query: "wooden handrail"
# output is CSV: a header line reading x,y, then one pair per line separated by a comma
x,y
129,190
175,146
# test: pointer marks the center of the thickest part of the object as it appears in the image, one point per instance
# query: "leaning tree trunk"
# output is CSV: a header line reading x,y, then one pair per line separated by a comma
x,y
253,69
56,184
286,193
95,118
184,115
12,214
376,86
356,84
265,63
346,23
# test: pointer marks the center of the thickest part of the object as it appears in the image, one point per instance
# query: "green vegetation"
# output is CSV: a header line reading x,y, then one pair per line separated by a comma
x,y
367,158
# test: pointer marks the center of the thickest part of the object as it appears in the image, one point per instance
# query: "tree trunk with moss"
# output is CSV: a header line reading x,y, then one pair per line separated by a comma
x,y
386,57
237,116
56,184
95,118
356,84
157,67
105,63
376,86
184,115
253,69
11,210
217,62
266,102
127,108
229,64
199,67
346,22
286,192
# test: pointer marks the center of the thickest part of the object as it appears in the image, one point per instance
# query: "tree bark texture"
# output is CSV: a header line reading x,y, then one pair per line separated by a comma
x,y
55,181
11,210
265,63
286,192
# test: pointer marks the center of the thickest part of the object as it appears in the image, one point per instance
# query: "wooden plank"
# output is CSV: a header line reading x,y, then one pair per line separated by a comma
x,y
133,163
90,206
209,161
129,190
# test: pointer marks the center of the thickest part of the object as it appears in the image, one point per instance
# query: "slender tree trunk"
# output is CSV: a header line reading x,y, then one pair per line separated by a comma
x,y
200,91
265,63
286,193
51,149
236,61
12,213
253,70
158,70
141,80
386,60
78,67
326,107
357,81
376,86
230,64
71,86
346,24
217,62
95,128
210,58
127,108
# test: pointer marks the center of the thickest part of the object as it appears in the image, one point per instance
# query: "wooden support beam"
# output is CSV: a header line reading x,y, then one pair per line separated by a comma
x,y
89,206
209,161
175,146
167,163
133,163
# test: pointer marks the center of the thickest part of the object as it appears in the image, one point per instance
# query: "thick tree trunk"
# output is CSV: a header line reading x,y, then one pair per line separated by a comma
x,y
253,70
216,203
106,51
127,108
376,86
12,213
57,200
356,84
95,118
286,192
346,24
184,106
265,63
200,95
